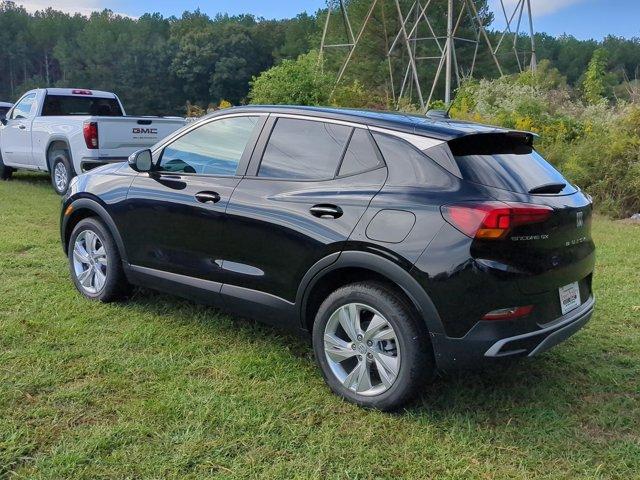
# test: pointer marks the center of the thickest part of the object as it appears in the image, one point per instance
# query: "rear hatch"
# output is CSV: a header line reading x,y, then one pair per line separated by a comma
x,y
548,251
121,136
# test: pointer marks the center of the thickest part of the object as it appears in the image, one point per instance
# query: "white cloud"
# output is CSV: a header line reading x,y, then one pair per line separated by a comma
x,y
84,7
539,8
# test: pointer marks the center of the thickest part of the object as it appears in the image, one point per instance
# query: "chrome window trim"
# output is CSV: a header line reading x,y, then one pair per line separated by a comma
x,y
296,116
419,141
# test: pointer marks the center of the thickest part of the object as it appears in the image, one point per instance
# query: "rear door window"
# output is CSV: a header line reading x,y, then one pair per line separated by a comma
x,y
507,162
304,150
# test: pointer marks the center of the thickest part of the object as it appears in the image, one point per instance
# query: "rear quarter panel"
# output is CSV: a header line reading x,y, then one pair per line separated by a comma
x,y
46,130
416,185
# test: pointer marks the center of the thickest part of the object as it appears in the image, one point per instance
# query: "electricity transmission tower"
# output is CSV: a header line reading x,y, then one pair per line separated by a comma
x,y
416,27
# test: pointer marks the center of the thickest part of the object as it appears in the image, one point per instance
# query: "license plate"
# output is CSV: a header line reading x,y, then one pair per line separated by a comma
x,y
569,297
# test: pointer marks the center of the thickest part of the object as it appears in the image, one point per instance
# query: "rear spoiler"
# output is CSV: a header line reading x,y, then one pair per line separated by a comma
x,y
488,143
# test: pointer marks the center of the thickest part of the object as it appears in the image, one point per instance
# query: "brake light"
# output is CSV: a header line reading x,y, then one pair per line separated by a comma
x,y
81,92
90,131
493,220
508,313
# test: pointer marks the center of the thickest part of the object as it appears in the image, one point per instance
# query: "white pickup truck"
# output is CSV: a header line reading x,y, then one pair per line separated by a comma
x,y
67,131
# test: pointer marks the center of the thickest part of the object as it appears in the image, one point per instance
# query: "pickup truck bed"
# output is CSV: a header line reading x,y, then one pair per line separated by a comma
x,y
118,137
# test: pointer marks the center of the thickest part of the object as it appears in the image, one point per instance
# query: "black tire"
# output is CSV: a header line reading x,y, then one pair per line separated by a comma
x,y
417,364
61,161
5,172
115,286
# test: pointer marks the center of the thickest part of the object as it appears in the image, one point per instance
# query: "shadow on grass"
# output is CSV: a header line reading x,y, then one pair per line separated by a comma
x,y
539,386
31,178
166,305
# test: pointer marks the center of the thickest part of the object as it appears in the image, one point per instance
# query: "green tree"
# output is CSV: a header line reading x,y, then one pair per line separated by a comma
x,y
156,64
294,82
14,54
594,86
299,36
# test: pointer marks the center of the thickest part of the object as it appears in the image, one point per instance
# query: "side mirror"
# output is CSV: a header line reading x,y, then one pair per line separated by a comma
x,y
141,161
3,119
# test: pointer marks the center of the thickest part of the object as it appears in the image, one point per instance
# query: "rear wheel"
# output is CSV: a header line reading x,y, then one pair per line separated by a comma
x,y
61,172
95,263
370,347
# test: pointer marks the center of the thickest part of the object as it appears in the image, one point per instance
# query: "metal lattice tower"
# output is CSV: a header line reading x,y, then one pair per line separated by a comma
x,y
417,19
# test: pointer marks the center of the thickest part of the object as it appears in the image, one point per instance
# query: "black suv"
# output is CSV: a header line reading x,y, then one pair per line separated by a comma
x,y
405,245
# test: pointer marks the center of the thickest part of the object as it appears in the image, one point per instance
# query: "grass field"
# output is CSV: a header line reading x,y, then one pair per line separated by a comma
x,y
162,388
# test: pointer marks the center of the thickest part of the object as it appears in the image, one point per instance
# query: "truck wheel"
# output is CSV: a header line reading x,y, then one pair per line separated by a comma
x,y
5,172
61,173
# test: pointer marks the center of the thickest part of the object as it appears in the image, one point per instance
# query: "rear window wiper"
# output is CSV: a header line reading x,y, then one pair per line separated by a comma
x,y
548,188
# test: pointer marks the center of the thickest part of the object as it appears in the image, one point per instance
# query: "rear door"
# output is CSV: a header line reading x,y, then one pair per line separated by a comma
x,y
309,182
174,220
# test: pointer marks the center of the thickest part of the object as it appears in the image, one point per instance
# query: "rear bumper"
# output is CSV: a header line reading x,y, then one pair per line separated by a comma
x,y
482,343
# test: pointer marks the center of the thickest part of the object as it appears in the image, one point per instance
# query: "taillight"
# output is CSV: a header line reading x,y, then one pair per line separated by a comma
x,y
90,131
508,313
493,220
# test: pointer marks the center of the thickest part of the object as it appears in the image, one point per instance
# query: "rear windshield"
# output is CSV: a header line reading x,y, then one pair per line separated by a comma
x,y
55,105
507,162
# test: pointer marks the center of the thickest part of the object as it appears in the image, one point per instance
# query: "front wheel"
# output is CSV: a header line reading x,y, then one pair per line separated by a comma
x,y
371,349
95,263
61,173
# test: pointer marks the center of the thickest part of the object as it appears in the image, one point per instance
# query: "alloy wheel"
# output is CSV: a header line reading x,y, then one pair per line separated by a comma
x,y
90,261
362,349
60,176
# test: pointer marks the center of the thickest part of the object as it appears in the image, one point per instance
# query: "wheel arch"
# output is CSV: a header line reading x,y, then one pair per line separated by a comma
x,y
84,208
350,266
57,143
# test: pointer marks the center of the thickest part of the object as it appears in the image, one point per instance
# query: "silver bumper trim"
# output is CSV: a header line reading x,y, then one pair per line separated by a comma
x,y
550,336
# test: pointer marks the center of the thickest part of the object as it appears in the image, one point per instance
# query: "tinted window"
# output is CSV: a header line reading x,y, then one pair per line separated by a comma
x,y
507,163
361,155
409,166
304,149
3,111
214,148
24,107
55,105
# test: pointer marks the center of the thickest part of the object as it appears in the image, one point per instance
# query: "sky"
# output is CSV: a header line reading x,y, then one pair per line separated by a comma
x,y
583,19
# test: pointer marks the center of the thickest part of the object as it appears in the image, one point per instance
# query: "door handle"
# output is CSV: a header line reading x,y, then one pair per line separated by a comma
x,y
326,211
208,197
22,127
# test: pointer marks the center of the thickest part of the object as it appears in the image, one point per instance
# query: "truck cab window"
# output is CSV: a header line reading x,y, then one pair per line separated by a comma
x,y
24,107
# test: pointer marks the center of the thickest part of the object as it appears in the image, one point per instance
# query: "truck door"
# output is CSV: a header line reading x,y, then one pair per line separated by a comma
x,y
16,134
